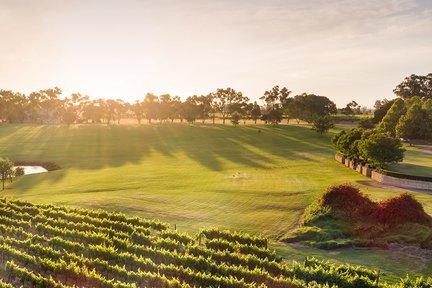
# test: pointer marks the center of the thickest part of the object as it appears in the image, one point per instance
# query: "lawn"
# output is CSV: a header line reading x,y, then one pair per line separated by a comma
x,y
417,161
188,175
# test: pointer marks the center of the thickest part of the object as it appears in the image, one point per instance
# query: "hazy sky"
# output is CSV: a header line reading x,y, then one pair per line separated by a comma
x,y
344,50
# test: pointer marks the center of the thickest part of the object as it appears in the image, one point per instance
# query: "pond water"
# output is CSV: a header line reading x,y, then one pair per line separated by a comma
x,y
33,169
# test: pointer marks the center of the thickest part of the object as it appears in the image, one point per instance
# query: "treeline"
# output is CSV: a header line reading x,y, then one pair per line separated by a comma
x,y
49,107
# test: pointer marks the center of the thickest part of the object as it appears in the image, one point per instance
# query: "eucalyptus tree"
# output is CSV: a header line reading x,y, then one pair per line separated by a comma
x,y
138,111
255,112
415,85
224,99
151,106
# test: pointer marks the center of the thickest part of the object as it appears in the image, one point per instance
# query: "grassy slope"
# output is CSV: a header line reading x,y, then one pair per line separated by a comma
x,y
416,162
194,176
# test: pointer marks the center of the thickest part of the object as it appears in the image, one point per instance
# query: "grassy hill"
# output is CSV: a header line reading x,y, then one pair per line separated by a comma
x,y
189,175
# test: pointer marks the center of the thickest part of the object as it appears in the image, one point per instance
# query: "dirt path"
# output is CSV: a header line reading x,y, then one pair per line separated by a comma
x,y
394,188
427,150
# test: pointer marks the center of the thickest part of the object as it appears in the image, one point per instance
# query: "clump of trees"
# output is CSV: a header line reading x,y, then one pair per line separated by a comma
x,y
409,119
410,116
370,147
48,107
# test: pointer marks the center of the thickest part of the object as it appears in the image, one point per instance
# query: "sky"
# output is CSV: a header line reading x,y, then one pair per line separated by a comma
x,y
345,50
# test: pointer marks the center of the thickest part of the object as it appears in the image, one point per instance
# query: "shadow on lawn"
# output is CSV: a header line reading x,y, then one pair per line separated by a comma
x,y
99,146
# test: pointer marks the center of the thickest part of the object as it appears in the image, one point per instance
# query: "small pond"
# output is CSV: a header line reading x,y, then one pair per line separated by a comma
x,y
33,169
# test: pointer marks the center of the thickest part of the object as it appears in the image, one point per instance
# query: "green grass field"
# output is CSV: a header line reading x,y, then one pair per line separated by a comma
x,y
417,162
192,176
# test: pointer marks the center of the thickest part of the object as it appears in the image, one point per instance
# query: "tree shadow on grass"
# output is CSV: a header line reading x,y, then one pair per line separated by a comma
x,y
211,146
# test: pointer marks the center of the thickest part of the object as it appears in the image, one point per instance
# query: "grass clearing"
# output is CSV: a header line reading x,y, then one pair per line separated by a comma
x,y
190,175
417,161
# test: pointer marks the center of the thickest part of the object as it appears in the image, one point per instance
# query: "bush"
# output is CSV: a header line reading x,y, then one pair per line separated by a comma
x,y
401,209
19,171
348,200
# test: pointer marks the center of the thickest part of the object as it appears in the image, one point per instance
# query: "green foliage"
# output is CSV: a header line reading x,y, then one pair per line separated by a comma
x,y
415,85
235,118
391,119
308,106
6,171
19,171
345,141
366,123
381,149
414,123
322,124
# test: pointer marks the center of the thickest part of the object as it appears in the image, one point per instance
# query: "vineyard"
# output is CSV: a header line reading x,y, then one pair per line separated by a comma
x,y
51,246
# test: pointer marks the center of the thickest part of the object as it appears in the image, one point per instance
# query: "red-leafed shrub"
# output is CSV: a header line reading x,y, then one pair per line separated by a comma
x,y
349,201
401,209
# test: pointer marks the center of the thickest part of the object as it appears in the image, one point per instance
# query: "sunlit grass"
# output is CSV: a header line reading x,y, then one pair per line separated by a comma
x,y
416,162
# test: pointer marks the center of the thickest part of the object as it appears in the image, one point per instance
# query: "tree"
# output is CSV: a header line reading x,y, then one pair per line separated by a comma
x,y
381,108
391,119
235,118
150,106
255,112
366,123
12,106
415,85
308,106
351,108
138,110
164,107
204,107
344,142
6,171
322,124
191,109
224,98
380,149
274,100
19,171
176,109
413,124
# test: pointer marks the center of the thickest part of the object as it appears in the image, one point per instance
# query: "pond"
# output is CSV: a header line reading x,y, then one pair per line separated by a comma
x,y
33,169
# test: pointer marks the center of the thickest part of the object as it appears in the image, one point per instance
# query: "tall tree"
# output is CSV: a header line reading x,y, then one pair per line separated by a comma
x,y
224,98
415,85
381,108
165,107
413,124
391,119
255,112
138,111
308,106
150,107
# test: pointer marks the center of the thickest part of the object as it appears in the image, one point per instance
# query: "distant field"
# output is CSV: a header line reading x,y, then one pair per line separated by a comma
x,y
189,175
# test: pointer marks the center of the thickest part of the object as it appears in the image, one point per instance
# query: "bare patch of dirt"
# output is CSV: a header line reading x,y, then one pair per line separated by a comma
x,y
414,251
